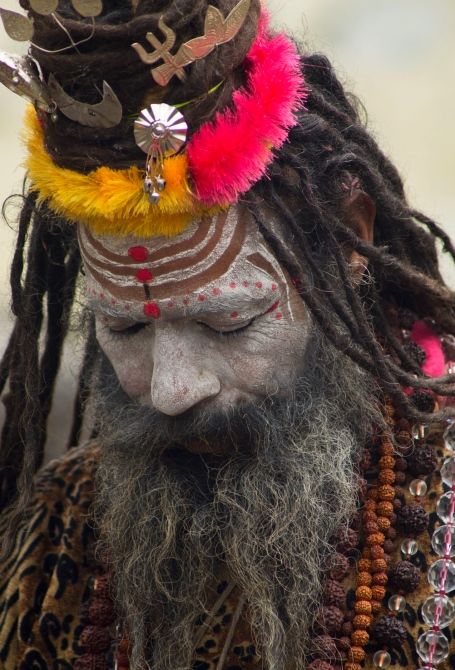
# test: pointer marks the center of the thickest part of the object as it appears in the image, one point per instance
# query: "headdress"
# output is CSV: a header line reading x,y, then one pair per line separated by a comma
x,y
187,171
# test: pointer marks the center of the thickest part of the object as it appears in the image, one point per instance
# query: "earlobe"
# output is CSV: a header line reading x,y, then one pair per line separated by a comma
x,y
360,213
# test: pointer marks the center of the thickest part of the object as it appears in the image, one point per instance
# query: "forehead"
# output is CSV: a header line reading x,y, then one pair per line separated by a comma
x,y
217,259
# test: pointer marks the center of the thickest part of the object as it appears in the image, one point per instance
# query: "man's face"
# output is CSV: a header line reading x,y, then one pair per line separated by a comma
x,y
205,320
215,351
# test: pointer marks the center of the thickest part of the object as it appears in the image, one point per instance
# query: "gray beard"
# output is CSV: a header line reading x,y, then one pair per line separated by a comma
x,y
267,511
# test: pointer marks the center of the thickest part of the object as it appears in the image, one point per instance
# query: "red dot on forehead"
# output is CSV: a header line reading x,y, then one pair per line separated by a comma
x,y
234,315
152,309
138,254
144,275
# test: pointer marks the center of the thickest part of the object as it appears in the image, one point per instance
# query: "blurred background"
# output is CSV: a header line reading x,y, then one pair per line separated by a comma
x,y
398,56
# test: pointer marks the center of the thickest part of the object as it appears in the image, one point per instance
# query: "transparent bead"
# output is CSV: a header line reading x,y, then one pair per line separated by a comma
x,y
409,547
432,647
448,471
443,541
382,659
449,437
420,431
397,603
438,611
441,575
446,507
418,487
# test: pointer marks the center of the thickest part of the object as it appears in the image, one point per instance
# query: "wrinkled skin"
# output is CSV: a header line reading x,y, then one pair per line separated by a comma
x,y
232,338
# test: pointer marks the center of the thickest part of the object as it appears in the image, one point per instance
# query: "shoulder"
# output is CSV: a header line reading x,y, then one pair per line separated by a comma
x,y
43,581
69,478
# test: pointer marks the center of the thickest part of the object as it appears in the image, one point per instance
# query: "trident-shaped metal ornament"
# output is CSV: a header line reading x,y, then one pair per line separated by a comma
x,y
160,131
217,30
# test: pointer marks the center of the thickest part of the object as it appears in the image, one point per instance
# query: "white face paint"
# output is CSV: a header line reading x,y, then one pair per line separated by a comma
x,y
207,317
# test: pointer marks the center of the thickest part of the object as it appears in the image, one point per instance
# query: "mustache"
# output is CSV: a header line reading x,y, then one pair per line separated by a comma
x,y
238,428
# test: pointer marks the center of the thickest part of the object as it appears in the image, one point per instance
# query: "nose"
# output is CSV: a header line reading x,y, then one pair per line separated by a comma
x,y
180,378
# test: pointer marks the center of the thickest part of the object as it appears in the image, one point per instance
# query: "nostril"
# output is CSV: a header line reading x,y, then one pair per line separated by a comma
x,y
172,395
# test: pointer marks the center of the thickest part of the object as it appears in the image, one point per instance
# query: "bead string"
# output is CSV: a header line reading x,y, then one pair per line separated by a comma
x,y
372,567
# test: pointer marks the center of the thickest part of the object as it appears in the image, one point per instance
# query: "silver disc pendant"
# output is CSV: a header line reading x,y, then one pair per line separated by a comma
x,y
160,129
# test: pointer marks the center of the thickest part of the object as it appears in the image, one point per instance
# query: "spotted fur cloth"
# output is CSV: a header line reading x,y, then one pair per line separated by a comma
x,y
50,575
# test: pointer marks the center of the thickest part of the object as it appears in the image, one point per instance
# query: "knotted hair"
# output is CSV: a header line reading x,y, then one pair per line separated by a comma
x,y
305,188
108,56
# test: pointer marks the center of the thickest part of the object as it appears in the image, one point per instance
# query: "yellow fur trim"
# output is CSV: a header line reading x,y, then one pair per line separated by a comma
x,y
111,202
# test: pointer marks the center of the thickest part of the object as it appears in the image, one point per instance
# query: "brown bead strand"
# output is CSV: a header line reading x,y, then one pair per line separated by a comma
x,y
333,621
377,516
98,615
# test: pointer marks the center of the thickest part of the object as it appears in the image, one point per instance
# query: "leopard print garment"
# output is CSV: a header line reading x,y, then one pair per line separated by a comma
x,y
50,574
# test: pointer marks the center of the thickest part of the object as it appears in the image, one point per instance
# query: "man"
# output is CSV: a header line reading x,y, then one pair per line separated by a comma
x,y
267,362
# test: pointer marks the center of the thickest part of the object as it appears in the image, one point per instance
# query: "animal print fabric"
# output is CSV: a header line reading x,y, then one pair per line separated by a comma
x,y
50,574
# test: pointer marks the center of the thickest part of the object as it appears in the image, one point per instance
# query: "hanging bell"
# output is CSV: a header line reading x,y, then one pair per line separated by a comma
x,y
160,131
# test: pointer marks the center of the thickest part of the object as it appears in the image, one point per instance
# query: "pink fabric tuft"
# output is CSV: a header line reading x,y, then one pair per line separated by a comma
x,y
230,154
425,337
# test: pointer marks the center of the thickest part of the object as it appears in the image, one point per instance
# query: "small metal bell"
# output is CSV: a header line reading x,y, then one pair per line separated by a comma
x,y
160,184
154,197
148,185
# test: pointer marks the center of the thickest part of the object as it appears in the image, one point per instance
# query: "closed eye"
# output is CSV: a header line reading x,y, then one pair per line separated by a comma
x,y
131,330
232,331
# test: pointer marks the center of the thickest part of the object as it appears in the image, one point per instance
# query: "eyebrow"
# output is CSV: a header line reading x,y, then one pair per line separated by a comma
x,y
210,305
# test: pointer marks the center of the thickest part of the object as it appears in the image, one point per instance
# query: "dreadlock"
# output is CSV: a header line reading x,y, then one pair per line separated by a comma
x,y
305,189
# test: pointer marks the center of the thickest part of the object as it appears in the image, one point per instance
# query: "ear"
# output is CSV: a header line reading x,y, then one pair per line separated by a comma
x,y
359,213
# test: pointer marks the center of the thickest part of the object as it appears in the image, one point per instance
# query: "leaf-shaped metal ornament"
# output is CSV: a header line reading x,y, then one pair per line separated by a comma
x,y
17,26
234,21
44,7
104,114
213,22
20,75
88,8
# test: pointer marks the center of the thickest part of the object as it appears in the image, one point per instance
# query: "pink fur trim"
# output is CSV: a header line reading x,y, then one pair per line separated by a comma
x,y
230,154
426,338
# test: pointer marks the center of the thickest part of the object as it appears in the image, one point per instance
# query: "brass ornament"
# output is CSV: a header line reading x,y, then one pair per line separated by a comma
x,y
104,114
21,77
44,7
17,26
88,8
20,27
217,31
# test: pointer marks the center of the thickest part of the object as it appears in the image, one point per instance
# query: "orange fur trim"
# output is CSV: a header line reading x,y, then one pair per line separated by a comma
x,y
111,202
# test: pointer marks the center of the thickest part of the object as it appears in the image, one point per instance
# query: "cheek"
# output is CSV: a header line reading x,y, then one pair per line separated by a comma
x,y
270,358
132,363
